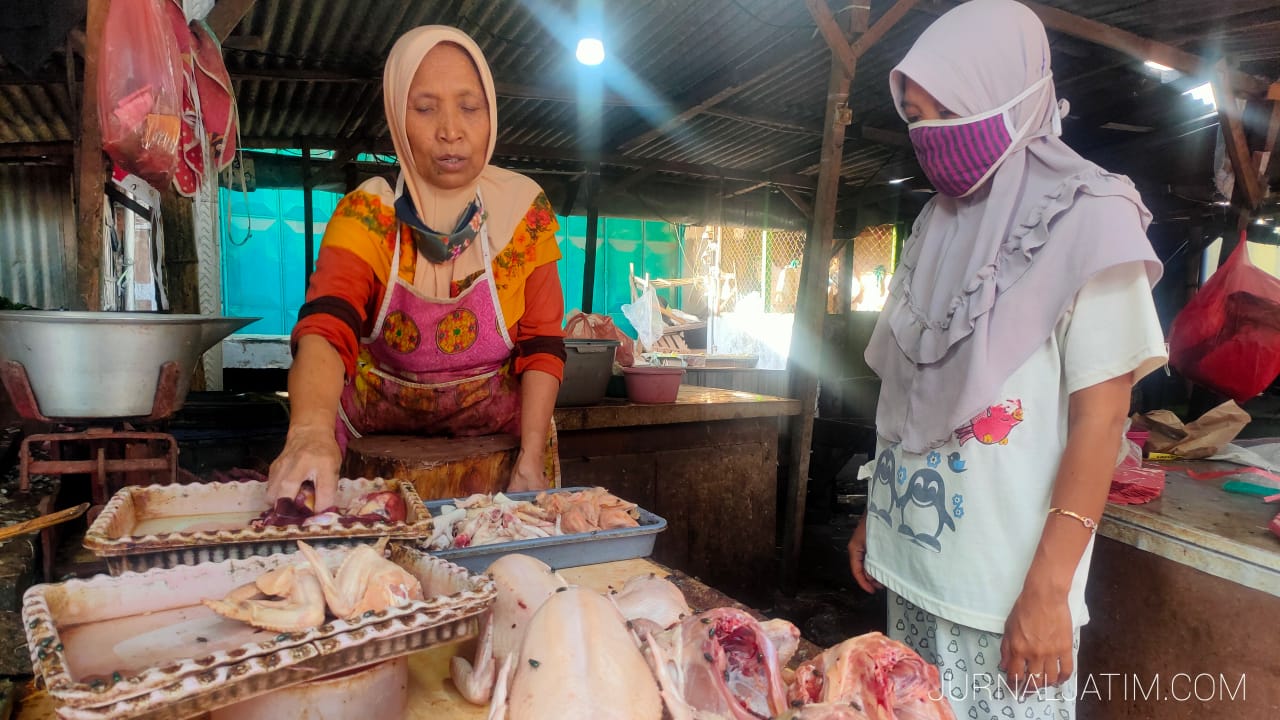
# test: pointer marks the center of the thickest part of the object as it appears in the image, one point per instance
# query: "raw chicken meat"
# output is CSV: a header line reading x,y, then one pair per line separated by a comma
x,y
300,603
579,661
485,520
589,510
523,584
365,581
383,506
719,663
650,603
785,638
824,711
885,679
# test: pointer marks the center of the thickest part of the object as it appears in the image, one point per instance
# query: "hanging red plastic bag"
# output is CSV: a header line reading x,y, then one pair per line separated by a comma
x,y
1228,337
139,79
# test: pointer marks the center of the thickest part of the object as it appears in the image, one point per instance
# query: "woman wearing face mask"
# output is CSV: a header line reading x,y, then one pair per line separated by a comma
x,y
435,308
1016,325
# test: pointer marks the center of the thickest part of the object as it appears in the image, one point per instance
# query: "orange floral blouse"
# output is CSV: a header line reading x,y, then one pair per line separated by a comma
x,y
352,269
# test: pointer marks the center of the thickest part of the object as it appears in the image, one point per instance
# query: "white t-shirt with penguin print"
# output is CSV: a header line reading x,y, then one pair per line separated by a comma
x,y
954,530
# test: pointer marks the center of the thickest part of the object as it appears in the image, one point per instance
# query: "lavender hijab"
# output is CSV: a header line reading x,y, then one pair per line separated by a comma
x,y
984,279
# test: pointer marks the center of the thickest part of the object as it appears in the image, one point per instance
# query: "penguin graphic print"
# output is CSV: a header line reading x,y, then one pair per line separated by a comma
x,y
915,502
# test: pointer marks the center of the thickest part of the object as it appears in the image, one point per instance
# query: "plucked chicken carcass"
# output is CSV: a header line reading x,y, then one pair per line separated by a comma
x,y
650,604
719,664
883,678
288,599
294,598
365,581
589,510
578,660
523,584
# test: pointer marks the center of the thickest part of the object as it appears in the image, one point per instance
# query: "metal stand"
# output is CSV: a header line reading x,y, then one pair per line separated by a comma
x,y
115,447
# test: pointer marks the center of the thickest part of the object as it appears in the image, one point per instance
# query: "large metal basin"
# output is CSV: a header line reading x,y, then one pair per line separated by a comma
x,y
84,365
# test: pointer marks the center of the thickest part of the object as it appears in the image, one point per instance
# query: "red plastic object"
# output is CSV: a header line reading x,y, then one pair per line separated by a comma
x,y
1139,438
1275,525
1227,336
653,385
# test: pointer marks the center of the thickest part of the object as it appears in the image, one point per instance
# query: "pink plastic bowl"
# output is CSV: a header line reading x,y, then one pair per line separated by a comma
x,y
652,385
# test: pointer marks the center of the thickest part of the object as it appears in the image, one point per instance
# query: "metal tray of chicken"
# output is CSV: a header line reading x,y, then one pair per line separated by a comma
x,y
559,551
143,645
166,526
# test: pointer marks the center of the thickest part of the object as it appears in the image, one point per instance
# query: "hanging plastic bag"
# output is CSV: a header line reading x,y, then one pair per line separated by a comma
x,y
645,315
1228,337
139,104
582,326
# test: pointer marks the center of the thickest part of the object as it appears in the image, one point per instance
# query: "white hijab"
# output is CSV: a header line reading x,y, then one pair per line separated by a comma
x,y
507,195
984,279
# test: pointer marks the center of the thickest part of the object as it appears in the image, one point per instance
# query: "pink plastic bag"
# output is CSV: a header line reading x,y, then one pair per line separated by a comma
x,y
1227,338
582,326
1134,484
139,78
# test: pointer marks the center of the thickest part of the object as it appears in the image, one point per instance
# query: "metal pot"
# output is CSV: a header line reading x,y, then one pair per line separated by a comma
x,y
83,365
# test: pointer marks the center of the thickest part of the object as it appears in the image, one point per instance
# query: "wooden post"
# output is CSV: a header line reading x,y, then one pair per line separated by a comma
x,y
811,305
846,278
91,173
592,181
308,224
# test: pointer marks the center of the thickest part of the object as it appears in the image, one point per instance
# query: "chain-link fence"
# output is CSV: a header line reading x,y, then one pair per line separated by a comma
x,y
767,262
751,260
873,263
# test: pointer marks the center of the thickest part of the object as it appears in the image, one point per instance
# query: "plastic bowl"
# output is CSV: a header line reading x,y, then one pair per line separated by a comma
x,y
652,385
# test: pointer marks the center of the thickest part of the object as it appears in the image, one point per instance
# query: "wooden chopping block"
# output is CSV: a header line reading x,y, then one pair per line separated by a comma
x,y
438,467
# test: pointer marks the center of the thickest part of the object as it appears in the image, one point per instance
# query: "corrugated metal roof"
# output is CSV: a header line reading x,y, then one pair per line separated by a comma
x,y
312,69
36,225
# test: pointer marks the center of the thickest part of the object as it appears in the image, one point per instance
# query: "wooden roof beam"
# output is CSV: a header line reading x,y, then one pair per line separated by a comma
x,y
846,54
832,33
804,206
226,15
1139,47
1248,179
876,32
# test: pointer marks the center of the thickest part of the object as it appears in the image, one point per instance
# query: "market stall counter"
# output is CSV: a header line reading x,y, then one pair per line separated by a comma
x,y
1184,597
708,463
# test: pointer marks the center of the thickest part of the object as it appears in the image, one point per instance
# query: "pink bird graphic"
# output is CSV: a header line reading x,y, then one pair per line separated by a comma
x,y
993,426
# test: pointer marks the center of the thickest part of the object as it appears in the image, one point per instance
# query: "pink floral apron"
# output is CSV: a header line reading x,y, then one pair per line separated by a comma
x,y
437,366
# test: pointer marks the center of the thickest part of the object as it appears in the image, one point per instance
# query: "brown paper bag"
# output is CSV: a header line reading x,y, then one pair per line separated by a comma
x,y
1196,440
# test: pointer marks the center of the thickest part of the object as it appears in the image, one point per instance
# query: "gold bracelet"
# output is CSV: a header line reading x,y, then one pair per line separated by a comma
x,y
1089,523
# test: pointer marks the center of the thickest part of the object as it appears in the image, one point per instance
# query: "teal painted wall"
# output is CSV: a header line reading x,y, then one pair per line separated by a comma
x,y
653,247
263,254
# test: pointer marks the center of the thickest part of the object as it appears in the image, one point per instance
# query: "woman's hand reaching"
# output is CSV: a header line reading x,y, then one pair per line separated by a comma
x,y
858,557
310,453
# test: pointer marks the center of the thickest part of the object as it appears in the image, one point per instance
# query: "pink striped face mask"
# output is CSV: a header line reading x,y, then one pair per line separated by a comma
x,y
958,155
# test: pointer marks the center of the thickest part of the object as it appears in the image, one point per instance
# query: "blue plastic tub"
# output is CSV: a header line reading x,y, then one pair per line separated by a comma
x,y
562,551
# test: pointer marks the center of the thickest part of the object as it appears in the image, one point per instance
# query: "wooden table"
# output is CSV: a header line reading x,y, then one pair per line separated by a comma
x,y
707,463
1185,587
431,693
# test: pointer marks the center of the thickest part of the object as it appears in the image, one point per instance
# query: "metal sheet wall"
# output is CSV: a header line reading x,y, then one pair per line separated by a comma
x,y
37,235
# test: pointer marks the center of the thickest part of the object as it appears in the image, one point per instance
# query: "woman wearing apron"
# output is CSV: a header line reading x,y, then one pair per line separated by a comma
x,y
409,329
